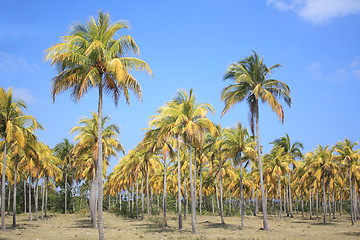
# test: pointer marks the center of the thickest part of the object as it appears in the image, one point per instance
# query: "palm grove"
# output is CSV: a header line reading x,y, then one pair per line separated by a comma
x,y
185,163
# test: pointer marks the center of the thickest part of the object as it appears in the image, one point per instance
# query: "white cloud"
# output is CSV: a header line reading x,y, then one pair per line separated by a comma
x,y
324,71
318,11
25,95
12,63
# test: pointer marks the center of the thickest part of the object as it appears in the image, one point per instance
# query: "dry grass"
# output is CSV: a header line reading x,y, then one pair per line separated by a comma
x,y
74,226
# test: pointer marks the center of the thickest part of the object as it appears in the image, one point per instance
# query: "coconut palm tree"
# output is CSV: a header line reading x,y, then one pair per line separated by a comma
x,y
12,127
349,158
64,151
238,143
92,57
251,82
293,151
189,121
87,147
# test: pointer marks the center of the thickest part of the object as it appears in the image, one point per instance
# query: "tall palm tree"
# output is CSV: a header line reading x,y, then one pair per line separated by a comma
x,y
92,57
349,158
12,128
251,82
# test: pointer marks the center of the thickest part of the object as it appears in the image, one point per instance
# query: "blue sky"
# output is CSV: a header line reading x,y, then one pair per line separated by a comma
x,y
189,44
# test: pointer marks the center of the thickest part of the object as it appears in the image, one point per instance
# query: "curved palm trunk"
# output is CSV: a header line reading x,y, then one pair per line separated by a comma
x,y
193,204
263,199
241,196
14,198
9,200
179,182
221,195
100,166
217,197
164,195
3,227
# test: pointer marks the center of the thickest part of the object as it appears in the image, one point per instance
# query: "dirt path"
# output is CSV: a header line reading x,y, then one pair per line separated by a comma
x,y
75,226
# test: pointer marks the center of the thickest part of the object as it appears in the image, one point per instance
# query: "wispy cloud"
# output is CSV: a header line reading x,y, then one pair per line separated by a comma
x,y
318,11
325,71
12,63
25,95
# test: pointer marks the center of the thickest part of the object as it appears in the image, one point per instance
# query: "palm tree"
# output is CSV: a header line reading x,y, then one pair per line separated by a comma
x,y
12,128
277,165
91,57
190,121
86,151
237,142
293,151
252,83
64,152
349,158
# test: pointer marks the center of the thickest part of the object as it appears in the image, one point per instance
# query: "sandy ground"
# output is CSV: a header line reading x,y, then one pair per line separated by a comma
x,y
75,226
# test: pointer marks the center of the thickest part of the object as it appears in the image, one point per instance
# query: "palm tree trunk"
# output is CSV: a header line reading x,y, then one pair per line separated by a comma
x,y
65,189
200,190
310,203
164,194
290,198
329,196
137,194
254,204
212,204
100,165
46,195
43,198
132,197
324,198
334,203
280,204
14,197
302,203
142,196
186,196
24,195
37,197
221,194
229,205
92,201
147,192
241,195
30,215
9,200
263,200
217,197
192,193
317,202
3,227
341,202
195,197
179,182
72,192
